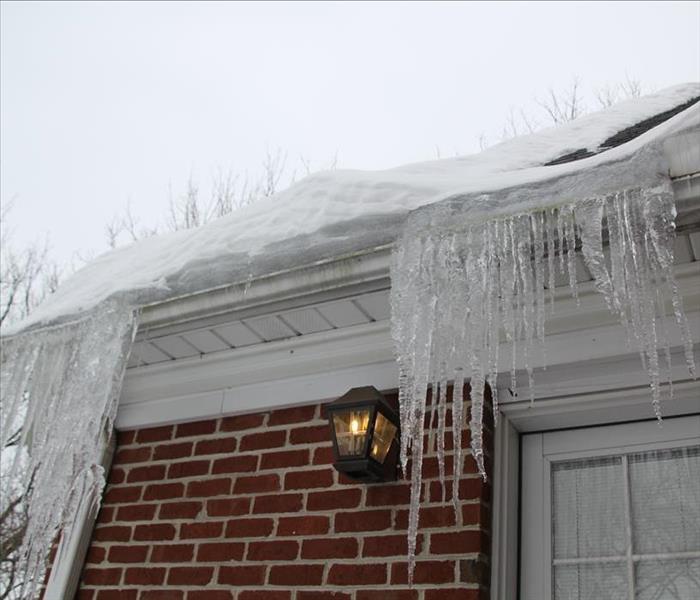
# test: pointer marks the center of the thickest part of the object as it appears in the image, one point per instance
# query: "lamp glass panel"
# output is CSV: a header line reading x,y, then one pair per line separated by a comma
x,y
384,432
351,431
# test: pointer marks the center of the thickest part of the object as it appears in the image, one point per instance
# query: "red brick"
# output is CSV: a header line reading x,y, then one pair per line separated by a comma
x,y
235,464
427,571
154,434
190,468
124,438
147,473
190,575
278,503
310,435
228,507
307,525
195,428
330,547
452,594
136,512
159,532
324,456
116,476
145,575
240,422
180,510
218,446
220,551
265,595
475,514
296,575
387,595
106,514
120,495
132,455
357,574
297,414
128,554
95,555
322,595
256,484
112,534
348,498
366,520
285,458
85,594
473,488
211,529
172,553
164,491
168,594
461,542
102,576
208,487
171,451
389,545
249,528
303,480
209,595
240,576
430,517
275,550
388,495
118,594
263,441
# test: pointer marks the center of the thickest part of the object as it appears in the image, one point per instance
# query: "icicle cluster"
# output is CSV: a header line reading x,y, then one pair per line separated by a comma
x,y
62,383
460,287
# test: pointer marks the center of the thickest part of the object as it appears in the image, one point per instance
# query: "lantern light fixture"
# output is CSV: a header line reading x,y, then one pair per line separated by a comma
x,y
365,432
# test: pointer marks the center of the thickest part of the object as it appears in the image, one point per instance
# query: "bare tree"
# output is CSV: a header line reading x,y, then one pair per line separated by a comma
x,y
608,95
564,106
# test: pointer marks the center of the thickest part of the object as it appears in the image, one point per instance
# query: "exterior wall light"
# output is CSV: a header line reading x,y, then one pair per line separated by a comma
x,y
365,431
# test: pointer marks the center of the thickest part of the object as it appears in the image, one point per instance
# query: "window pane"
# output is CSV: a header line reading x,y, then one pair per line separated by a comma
x,y
667,579
588,508
665,490
590,582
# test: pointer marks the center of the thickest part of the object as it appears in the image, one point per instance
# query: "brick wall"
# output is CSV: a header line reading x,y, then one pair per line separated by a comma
x,y
249,507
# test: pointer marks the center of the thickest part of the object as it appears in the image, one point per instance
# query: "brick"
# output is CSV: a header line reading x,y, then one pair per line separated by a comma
x,y
116,476
296,575
324,456
461,542
473,488
190,575
310,435
209,595
388,495
106,514
168,594
332,500
256,484
426,572
275,550
240,576
180,510
475,514
128,554
228,507
452,594
118,594
303,480
210,529
94,576
171,451
95,555
220,551
278,503
310,595
196,428
154,434
120,495
172,553
330,547
112,533
285,458
125,438
136,512
218,446
235,464
307,525
132,455
366,520
85,594
147,473
208,487
387,595
474,570
430,517
241,422
389,545
190,468
145,575
263,441
249,528
265,595
297,414
155,533
164,491
353,574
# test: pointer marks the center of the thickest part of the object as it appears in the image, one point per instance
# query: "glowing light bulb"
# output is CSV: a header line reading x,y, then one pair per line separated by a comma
x,y
354,426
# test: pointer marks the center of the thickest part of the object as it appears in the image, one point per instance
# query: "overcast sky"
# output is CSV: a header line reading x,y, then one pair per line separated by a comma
x,y
107,103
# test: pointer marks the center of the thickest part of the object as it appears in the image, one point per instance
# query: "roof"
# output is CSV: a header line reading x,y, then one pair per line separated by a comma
x,y
337,213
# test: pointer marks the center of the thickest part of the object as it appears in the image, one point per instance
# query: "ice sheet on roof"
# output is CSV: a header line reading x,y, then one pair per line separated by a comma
x,y
334,213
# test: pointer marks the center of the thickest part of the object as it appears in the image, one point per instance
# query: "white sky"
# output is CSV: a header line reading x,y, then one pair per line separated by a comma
x,y
106,103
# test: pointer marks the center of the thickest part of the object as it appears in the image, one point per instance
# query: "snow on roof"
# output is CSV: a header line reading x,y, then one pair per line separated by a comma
x,y
330,214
